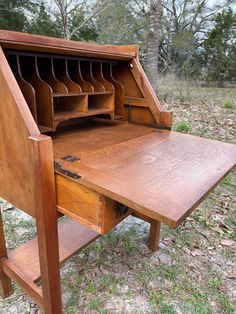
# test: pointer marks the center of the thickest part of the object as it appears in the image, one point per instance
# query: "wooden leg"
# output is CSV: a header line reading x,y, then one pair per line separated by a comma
x,y
47,233
49,262
155,227
5,281
49,265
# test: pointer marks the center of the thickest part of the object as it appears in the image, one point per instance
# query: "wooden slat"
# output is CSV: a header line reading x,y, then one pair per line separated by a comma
x,y
64,115
134,101
5,281
20,276
72,237
119,88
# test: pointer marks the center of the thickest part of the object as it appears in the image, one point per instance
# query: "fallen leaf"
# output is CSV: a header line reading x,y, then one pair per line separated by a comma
x,y
227,242
196,252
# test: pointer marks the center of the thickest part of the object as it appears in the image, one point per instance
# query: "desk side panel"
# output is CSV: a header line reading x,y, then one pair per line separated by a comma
x,y
19,156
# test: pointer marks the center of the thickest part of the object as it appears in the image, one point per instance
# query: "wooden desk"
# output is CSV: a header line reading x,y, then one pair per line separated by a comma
x,y
83,134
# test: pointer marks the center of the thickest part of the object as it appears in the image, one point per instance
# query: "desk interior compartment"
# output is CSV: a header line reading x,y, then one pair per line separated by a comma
x,y
88,207
61,88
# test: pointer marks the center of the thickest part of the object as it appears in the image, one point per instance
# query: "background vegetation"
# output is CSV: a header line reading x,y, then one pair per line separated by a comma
x,y
190,39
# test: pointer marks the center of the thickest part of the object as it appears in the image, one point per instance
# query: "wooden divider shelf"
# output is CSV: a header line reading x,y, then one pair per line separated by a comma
x,y
59,88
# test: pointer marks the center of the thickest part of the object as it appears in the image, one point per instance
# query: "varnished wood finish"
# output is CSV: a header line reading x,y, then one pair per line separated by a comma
x,y
46,223
60,67
134,100
33,42
47,73
80,139
74,71
155,228
157,165
26,88
24,281
15,145
32,156
5,281
43,91
119,88
99,76
163,118
87,74
72,237
86,206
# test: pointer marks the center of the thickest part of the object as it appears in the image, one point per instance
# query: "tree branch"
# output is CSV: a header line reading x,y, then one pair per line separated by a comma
x,y
86,21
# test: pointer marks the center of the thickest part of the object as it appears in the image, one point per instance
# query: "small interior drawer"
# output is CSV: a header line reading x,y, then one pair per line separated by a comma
x,y
87,206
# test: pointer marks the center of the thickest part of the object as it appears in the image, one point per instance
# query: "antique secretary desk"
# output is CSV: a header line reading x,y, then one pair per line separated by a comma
x,y
83,134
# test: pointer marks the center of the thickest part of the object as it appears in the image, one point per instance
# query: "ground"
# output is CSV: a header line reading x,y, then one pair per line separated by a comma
x,y
193,272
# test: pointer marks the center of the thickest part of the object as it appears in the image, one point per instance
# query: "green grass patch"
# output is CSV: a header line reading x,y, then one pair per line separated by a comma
x,y
226,305
96,305
230,221
124,240
157,301
182,127
215,282
229,105
197,305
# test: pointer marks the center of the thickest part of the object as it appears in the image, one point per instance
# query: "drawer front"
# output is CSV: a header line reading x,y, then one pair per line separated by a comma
x,y
87,206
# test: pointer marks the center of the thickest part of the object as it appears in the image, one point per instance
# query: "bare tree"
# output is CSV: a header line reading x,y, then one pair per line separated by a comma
x,y
184,25
64,11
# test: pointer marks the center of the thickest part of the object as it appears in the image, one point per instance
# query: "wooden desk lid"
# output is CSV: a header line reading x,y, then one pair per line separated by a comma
x,y
24,41
162,174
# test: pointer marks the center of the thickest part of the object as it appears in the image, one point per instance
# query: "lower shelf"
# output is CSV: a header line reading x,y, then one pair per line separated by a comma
x,y
65,115
72,237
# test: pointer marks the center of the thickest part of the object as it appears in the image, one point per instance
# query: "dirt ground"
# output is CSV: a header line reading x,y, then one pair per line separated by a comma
x,y
195,269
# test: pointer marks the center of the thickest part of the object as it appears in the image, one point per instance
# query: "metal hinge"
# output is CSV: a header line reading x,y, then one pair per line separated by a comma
x,y
70,158
65,171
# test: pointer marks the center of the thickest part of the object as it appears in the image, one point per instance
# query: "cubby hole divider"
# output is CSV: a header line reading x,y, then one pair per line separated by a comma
x,y
46,71
58,88
26,88
74,71
60,68
43,92
107,71
98,75
87,74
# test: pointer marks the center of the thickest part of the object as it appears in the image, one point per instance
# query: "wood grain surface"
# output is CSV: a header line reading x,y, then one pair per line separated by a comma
x,y
162,174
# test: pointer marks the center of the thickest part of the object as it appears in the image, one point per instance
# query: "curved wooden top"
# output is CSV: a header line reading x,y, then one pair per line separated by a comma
x,y
24,41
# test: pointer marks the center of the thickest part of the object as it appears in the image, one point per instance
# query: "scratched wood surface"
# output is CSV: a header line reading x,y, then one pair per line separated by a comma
x,y
162,174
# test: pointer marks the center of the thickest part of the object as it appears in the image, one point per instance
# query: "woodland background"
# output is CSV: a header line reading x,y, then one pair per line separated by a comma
x,y
190,39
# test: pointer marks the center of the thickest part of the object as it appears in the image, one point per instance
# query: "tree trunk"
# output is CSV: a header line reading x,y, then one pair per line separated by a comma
x,y
153,40
62,6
